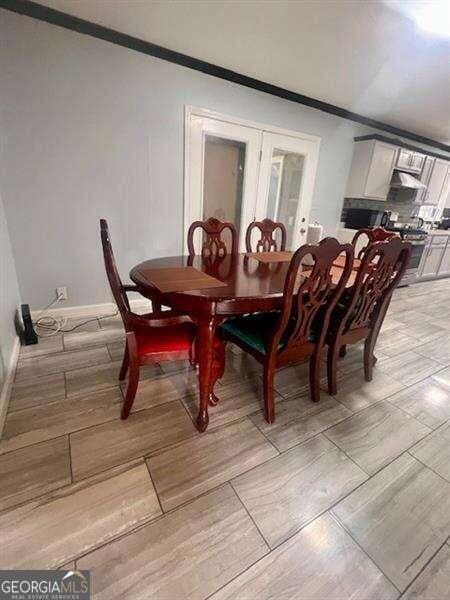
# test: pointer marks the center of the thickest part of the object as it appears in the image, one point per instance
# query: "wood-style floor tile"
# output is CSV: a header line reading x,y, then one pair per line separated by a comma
x,y
377,435
32,471
161,389
81,324
394,341
443,377
57,363
400,517
356,393
189,469
433,583
320,562
45,345
408,368
236,400
91,379
91,339
38,391
103,446
425,331
99,377
48,532
285,493
294,380
427,401
439,351
33,425
116,350
189,553
434,451
299,419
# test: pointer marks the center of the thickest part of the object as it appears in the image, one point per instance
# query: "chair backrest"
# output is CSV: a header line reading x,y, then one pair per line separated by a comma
x,y
381,269
377,234
113,275
213,244
267,241
310,289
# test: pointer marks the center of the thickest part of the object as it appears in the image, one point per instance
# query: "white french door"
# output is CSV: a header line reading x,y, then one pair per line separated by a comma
x,y
286,182
241,172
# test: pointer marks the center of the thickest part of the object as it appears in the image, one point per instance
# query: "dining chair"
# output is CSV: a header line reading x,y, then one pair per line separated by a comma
x,y
298,330
212,244
360,313
150,338
377,234
267,242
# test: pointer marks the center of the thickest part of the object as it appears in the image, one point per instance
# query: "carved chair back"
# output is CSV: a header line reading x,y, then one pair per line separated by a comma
x,y
267,241
213,244
383,265
377,234
312,292
112,273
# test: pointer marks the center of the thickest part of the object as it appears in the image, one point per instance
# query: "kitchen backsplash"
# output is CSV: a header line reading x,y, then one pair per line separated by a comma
x,y
399,201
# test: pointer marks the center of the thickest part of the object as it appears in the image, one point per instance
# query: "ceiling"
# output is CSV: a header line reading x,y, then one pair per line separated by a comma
x,y
365,56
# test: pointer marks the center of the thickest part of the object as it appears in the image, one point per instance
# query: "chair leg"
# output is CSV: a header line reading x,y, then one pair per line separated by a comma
x,y
125,364
342,351
314,375
133,380
192,354
332,359
269,406
369,358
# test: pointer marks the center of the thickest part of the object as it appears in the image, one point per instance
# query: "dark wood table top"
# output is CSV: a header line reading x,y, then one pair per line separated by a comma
x,y
250,285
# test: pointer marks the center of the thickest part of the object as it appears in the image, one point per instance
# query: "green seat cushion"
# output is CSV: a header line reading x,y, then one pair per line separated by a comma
x,y
255,330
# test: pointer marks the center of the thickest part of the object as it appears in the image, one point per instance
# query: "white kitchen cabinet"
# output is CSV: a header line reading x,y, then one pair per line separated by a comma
x,y
431,261
444,268
410,160
425,179
371,170
438,177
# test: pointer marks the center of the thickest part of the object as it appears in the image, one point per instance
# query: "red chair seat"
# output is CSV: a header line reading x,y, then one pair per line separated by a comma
x,y
169,338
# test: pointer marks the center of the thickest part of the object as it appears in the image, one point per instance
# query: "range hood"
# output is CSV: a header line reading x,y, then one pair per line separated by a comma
x,y
400,179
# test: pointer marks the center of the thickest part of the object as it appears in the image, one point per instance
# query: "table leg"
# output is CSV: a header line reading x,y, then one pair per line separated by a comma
x,y
207,370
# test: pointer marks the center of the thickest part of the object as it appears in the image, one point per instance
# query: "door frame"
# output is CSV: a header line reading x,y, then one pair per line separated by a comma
x,y
193,204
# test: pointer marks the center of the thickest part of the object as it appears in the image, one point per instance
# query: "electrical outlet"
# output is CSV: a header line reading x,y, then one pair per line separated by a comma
x,y
61,292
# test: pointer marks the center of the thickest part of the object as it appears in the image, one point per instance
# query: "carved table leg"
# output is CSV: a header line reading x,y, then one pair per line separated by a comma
x,y
208,371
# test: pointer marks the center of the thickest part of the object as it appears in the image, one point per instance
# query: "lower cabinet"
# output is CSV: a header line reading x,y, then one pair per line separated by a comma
x,y
444,268
436,258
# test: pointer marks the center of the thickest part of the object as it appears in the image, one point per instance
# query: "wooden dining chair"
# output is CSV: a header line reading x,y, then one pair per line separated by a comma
x,y
377,234
151,338
267,241
361,310
298,330
212,244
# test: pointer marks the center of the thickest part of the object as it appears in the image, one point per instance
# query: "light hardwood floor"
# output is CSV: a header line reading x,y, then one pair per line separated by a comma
x,y
347,498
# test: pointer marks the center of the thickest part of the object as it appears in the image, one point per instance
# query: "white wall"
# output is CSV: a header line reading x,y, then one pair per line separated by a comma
x,y
9,297
94,130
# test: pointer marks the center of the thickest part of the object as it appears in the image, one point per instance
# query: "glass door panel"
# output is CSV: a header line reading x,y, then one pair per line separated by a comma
x,y
286,179
222,174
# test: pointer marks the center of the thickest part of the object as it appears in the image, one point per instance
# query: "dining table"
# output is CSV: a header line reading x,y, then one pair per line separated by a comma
x,y
211,290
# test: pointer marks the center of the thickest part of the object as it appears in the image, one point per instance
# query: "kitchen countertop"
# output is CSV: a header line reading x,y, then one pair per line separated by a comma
x,y
439,232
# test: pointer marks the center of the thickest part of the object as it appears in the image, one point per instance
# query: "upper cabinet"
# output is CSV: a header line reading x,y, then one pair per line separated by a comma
x,y
437,184
371,170
410,160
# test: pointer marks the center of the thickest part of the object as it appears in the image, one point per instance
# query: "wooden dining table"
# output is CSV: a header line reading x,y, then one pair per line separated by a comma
x,y
212,290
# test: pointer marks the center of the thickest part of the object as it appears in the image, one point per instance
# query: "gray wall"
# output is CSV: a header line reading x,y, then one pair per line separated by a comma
x,y
9,296
94,130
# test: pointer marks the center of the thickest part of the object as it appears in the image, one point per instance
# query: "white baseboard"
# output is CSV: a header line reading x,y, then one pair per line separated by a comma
x,y
89,310
8,383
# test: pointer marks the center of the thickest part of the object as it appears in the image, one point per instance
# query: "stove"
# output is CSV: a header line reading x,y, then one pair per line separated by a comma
x,y
418,238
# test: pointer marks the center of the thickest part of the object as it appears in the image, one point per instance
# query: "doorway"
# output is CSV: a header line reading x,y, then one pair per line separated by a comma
x,y
240,172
